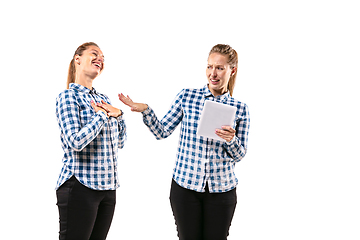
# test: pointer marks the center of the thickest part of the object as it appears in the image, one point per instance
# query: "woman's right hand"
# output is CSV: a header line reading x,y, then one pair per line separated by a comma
x,y
135,107
97,107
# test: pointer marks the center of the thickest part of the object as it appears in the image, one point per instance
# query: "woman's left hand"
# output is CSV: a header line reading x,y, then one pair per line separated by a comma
x,y
227,133
111,111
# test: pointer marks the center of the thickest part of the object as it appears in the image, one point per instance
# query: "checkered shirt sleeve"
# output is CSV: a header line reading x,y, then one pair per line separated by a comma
x,y
89,139
199,159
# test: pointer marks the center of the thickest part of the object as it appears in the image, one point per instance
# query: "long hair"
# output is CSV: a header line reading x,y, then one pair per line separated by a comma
x,y
232,61
72,70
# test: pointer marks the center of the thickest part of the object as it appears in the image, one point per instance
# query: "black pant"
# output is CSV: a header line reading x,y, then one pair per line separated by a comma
x,y
84,213
202,216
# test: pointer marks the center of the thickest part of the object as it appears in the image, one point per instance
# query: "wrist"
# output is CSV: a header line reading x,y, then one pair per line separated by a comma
x,y
115,114
144,107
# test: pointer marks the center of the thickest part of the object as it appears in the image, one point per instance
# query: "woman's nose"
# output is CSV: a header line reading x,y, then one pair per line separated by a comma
x,y
213,72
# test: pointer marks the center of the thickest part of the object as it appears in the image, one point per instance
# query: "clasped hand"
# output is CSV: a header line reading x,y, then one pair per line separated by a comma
x,y
109,110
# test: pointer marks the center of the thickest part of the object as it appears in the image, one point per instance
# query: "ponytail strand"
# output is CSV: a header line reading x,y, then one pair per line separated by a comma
x,y
71,73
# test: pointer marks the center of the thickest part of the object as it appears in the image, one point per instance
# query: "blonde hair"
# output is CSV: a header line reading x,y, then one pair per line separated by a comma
x,y
232,61
72,70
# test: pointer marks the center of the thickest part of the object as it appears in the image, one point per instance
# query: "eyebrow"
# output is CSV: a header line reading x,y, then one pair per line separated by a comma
x,y
216,65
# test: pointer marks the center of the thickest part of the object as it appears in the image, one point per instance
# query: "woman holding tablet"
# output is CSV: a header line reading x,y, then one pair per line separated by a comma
x,y
203,191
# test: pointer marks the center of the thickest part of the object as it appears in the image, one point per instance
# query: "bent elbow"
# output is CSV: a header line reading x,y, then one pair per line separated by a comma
x,y
77,147
241,155
162,136
76,144
159,138
121,145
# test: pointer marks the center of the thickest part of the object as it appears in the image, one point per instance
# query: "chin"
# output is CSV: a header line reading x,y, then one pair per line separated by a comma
x,y
94,75
217,87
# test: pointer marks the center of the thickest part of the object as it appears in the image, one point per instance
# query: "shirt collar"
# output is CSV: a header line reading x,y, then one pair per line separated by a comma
x,y
81,88
207,93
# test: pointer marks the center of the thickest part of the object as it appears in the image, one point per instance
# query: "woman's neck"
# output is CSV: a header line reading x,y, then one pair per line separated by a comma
x,y
217,92
84,80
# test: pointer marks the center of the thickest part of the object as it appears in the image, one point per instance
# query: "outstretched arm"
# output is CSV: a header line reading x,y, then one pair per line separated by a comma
x,y
161,129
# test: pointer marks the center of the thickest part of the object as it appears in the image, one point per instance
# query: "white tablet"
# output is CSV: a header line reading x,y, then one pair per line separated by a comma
x,y
214,116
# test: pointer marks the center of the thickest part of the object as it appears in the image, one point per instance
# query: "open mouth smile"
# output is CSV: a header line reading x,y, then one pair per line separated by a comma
x,y
98,65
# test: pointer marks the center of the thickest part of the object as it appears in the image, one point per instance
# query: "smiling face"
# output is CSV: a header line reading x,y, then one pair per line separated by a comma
x,y
91,62
218,73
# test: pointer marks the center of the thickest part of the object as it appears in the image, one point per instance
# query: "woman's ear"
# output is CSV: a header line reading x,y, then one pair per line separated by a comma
x,y
77,59
233,71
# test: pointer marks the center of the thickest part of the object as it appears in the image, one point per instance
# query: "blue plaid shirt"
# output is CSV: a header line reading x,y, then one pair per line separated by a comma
x,y
90,139
200,159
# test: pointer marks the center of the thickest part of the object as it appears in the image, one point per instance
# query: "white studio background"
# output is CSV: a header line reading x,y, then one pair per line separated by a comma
x,y
298,73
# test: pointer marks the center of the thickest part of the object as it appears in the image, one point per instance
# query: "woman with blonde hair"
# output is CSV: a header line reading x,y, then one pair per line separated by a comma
x,y
91,132
203,191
